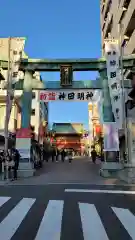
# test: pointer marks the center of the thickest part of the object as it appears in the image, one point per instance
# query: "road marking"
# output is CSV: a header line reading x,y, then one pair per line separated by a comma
x,y
91,223
50,227
10,224
3,200
99,191
127,219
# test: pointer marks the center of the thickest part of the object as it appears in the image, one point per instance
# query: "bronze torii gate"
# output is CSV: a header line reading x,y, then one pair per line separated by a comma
x,y
29,66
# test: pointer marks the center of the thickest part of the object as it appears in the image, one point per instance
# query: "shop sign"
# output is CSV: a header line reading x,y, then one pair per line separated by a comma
x,y
73,95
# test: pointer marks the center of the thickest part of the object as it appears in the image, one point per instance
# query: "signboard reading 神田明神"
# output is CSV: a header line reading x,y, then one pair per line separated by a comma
x,y
70,95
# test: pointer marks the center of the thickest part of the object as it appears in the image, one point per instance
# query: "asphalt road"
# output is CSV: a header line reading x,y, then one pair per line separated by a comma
x,y
63,212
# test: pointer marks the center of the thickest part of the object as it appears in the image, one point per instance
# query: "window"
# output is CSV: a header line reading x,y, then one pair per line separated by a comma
x,y
119,2
122,15
109,28
103,8
33,95
33,112
131,26
103,26
126,3
32,128
108,9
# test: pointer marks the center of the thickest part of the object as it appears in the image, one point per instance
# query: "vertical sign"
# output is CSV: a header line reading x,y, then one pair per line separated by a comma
x,y
111,139
66,75
114,81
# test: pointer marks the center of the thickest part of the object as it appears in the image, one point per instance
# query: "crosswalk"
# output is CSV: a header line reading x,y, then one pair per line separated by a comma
x,y
50,223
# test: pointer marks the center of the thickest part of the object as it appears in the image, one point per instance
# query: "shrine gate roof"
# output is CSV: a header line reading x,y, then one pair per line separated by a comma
x,y
68,128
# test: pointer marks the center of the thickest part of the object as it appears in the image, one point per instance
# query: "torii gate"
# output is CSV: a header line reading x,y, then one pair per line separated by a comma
x,y
29,66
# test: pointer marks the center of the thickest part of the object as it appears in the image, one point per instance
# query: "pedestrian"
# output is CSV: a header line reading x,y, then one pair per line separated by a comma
x,y
16,157
70,156
93,155
63,154
57,155
53,154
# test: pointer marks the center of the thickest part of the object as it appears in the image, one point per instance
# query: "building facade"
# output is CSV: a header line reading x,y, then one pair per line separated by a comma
x,y
118,18
68,136
39,112
39,117
94,121
15,120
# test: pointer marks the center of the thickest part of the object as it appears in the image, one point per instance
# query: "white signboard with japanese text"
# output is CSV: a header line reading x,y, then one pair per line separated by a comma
x,y
70,95
23,145
113,73
111,139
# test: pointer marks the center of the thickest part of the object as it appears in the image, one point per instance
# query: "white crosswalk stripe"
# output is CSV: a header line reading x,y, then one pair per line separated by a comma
x,y
50,226
3,200
91,223
127,219
10,224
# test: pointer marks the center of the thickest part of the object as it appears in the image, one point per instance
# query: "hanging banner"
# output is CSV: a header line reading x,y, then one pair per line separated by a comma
x,y
70,95
111,139
23,142
112,55
16,47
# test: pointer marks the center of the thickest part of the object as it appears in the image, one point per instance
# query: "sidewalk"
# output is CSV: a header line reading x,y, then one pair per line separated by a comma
x,y
80,171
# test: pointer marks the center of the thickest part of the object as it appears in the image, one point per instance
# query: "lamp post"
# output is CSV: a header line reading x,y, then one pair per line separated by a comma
x,y
7,103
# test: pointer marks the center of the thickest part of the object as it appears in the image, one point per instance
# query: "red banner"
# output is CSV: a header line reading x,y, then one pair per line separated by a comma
x,y
23,133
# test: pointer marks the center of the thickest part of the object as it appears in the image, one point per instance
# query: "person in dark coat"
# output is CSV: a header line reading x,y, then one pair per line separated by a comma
x,y
53,154
16,158
93,155
63,155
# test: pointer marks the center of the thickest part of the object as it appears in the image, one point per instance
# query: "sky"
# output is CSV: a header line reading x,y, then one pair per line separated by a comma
x,y
56,29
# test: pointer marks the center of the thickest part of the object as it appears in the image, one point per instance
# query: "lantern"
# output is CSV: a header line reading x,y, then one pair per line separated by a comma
x,y
98,129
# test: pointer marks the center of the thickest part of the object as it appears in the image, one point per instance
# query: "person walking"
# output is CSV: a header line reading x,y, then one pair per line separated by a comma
x,y
16,158
63,154
53,154
93,155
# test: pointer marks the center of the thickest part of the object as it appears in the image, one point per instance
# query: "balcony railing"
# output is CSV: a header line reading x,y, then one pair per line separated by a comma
x,y
130,45
128,16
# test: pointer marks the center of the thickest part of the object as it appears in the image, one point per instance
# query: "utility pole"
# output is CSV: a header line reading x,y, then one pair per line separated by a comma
x,y
123,92
7,102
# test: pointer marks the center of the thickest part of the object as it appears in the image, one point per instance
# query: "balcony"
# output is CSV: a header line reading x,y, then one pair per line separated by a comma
x,y
108,23
127,19
106,7
120,10
129,48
